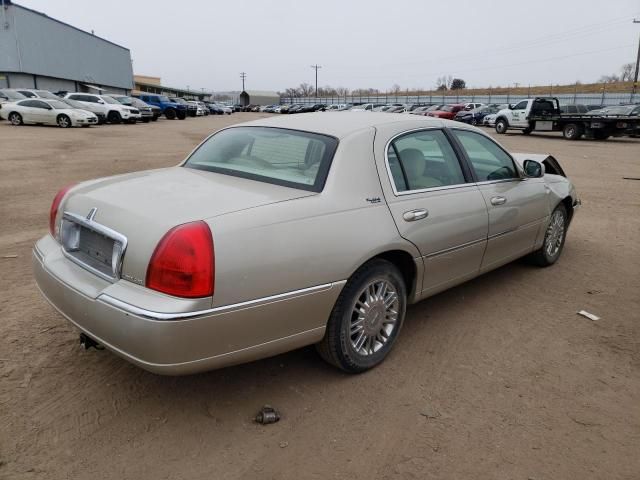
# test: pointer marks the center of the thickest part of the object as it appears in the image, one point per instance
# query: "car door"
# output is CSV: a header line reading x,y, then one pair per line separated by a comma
x,y
519,114
436,206
43,112
518,206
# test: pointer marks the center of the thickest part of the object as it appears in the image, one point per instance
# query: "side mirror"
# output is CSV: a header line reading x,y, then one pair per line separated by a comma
x,y
533,169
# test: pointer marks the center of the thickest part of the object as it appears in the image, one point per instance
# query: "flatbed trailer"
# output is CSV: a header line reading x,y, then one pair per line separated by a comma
x,y
542,114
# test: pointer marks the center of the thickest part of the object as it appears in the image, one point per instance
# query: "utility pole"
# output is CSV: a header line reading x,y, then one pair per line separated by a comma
x,y
316,67
635,78
243,75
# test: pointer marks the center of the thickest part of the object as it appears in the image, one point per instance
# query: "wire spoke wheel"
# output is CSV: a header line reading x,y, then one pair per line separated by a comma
x,y
374,317
554,234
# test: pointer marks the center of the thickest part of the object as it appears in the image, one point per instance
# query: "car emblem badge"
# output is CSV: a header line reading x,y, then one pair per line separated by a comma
x,y
91,214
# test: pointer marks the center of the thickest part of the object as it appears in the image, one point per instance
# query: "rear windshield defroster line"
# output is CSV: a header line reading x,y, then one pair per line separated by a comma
x,y
281,156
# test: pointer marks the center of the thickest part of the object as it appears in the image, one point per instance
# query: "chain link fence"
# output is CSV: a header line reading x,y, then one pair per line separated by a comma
x,y
604,98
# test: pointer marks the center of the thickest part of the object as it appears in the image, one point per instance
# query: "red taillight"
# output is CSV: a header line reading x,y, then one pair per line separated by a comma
x,y
53,212
183,263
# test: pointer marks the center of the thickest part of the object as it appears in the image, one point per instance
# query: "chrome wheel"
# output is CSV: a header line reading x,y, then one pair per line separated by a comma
x,y
64,122
374,317
555,234
15,119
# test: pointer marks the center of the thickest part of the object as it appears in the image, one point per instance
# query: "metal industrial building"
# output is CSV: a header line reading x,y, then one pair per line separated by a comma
x,y
259,97
37,51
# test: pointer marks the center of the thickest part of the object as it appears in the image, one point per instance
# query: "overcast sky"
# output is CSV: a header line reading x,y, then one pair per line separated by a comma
x,y
362,43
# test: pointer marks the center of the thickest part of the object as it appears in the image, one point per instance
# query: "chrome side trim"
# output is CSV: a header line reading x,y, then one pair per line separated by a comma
x,y
457,247
159,316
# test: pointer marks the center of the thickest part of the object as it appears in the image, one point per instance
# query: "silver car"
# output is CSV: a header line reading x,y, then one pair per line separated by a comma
x,y
290,231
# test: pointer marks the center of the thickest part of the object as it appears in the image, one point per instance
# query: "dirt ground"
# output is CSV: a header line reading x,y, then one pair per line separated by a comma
x,y
496,379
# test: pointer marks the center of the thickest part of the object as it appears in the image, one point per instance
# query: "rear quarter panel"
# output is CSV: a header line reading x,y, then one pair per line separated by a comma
x,y
308,241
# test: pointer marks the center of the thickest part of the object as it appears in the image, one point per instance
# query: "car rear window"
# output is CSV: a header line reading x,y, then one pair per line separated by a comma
x,y
280,156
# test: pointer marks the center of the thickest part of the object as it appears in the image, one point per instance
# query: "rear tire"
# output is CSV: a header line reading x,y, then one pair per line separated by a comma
x,y
366,319
501,126
554,238
181,115
170,113
527,131
146,120
114,117
572,131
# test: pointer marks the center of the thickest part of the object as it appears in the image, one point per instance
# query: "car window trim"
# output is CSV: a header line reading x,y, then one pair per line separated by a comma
x,y
469,180
477,181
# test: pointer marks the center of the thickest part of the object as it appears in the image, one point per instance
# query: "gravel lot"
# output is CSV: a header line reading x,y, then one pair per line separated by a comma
x,y
496,379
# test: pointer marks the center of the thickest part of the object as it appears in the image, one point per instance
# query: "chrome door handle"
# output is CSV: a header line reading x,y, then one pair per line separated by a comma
x,y
498,200
413,215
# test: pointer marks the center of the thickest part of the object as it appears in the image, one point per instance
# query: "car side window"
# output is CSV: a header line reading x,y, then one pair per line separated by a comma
x,y
27,103
423,159
521,106
487,159
42,105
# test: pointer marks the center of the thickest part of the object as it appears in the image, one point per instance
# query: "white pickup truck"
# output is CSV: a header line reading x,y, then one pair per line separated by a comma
x,y
542,114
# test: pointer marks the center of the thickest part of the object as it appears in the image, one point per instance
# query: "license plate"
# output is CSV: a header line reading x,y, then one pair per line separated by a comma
x,y
93,246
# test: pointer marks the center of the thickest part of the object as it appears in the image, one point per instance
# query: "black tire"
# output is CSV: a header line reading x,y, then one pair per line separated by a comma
x,y
15,118
170,113
63,121
146,120
114,117
501,126
527,131
337,347
132,121
572,131
548,255
181,114
155,118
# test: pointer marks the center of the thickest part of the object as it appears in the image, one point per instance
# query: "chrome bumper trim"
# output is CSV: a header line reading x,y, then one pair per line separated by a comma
x,y
159,316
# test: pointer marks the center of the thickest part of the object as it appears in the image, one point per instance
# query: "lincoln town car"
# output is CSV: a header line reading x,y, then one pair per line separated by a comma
x,y
294,230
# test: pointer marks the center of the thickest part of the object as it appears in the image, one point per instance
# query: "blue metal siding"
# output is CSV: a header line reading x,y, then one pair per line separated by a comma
x,y
36,44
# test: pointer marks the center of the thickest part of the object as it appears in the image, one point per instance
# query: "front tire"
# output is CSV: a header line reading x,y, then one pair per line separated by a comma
x,y
15,119
114,117
501,126
554,238
366,318
63,121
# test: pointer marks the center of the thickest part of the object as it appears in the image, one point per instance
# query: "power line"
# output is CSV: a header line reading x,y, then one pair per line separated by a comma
x,y
635,77
316,68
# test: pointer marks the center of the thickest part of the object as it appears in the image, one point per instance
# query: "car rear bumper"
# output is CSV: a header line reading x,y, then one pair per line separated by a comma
x,y
175,341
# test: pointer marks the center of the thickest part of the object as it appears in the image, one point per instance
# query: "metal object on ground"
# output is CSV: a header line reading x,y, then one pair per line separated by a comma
x,y
267,415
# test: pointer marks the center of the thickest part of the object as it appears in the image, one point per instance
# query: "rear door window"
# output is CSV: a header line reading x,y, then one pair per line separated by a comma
x,y
423,159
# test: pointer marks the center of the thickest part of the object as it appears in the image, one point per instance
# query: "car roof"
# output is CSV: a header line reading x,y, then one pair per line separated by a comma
x,y
342,124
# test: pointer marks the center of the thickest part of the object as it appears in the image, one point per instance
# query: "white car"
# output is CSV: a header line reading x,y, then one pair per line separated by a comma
x,y
365,107
199,109
46,112
7,95
113,110
490,120
471,105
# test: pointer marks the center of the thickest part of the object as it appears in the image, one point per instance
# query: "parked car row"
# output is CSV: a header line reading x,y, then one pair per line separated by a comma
x,y
81,109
